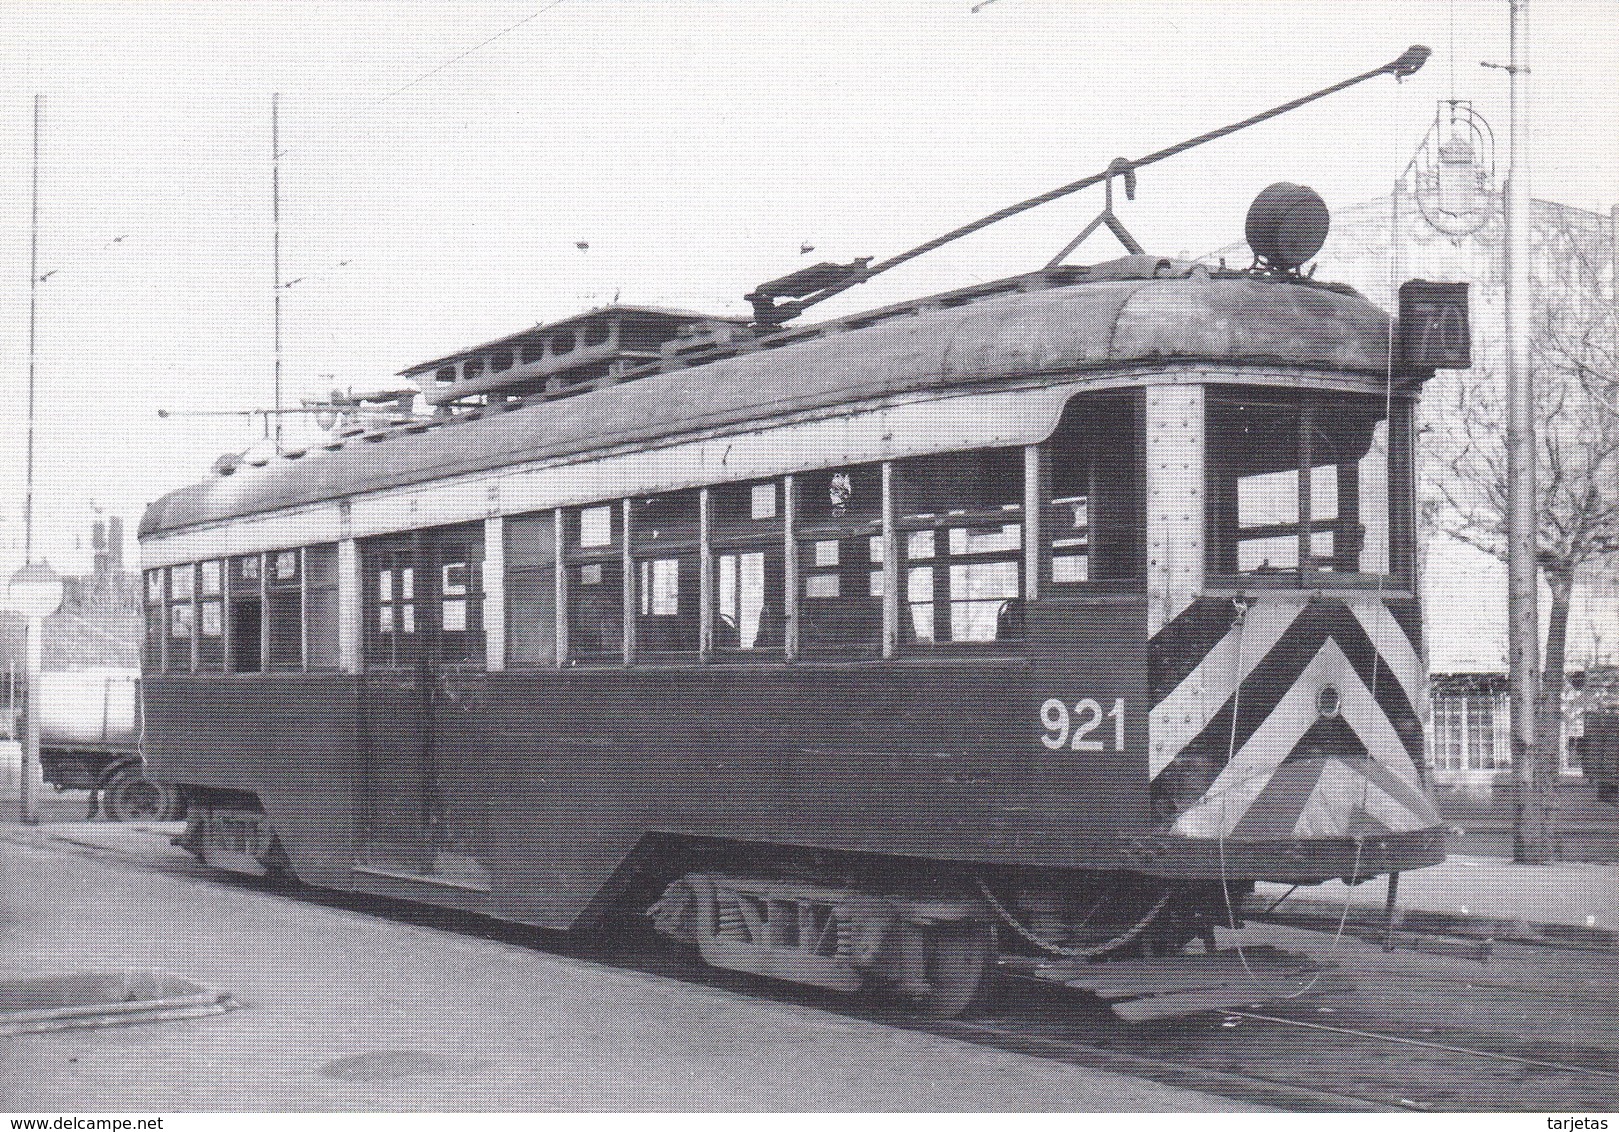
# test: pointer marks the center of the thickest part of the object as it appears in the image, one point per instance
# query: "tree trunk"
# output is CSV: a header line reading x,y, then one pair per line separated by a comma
x,y
1535,840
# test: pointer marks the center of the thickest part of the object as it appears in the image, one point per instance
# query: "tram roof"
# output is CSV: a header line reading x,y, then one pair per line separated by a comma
x,y
1135,312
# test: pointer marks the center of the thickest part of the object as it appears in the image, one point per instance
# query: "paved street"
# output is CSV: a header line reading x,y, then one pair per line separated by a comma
x,y
346,1011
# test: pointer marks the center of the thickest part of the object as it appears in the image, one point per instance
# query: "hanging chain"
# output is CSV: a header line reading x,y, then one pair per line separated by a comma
x,y
1073,952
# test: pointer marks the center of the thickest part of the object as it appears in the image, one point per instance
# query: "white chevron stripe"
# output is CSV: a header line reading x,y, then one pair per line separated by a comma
x,y
1182,714
1216,814
1338,793
1396,651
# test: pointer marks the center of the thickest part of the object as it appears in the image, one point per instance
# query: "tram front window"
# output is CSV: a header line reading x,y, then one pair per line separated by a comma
x,y
1300,485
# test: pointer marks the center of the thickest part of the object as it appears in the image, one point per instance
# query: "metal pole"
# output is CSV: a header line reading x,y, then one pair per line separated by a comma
x,y
33,662
33,312
1530,842
33,648
275,192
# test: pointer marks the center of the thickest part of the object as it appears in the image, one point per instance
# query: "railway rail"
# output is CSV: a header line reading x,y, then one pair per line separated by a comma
x,y
1314,1053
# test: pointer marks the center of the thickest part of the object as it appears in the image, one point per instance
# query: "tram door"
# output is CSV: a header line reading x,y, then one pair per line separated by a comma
x,y
419,604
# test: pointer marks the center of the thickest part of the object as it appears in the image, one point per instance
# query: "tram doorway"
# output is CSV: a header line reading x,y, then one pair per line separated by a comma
x,y
422,602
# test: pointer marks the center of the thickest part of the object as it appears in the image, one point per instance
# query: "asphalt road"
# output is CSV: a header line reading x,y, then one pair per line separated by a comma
x,y
344,1010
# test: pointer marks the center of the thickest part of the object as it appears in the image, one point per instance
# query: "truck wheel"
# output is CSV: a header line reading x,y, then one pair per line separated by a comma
x,y
127,795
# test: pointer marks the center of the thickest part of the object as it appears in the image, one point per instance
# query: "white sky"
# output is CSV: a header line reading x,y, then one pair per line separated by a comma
x,y
694,145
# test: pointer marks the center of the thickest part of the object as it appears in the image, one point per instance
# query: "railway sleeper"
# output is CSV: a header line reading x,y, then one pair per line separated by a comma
x,y
936,952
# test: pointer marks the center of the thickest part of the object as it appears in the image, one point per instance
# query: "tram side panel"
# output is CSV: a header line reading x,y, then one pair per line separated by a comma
x,y
288,738
920,761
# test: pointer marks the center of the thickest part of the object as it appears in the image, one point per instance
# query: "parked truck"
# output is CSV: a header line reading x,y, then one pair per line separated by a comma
x,y
90,733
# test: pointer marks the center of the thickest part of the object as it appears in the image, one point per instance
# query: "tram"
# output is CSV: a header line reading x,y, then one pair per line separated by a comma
x,y
1048,614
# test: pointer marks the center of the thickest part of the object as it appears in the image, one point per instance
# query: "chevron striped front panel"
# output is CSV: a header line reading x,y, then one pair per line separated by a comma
x,y
1286,716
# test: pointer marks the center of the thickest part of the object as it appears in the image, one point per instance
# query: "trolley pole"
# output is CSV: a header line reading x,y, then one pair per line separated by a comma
x,y
1531,830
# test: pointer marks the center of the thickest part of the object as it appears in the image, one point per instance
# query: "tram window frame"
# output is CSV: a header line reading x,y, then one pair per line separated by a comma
x,y
212,647
180,619
531,605
389,602
244,604
1308,485
944,505
283,579
407,593
459,641
748,560
1093,497
322,628
665,556
156,623
831,620
593,557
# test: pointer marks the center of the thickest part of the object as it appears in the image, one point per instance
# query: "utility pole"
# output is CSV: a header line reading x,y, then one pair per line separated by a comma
x,y
275,206
1532,841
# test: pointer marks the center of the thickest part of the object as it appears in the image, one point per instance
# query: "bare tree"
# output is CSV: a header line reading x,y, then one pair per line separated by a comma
x,y
1577,465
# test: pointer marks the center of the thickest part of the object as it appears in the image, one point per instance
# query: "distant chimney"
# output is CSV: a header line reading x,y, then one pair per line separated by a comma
x,y
107,542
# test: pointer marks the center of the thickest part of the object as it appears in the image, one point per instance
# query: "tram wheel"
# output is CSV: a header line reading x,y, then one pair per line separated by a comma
x,y
958,967
128,795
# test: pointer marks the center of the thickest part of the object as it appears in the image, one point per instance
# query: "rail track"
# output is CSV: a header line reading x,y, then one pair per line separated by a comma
x,y
1268,1054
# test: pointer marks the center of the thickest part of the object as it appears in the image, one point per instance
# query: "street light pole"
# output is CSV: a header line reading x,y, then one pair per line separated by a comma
x,y
1531,831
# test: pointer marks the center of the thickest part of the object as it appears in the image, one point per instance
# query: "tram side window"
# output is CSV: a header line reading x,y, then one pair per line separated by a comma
x,y
1299,484
182,618
284,610
749,569
663,549
320,582
531,604
210,616
595,575
245,598
456,588
152,654
840,559
1093,512
422,596
393,630
960,533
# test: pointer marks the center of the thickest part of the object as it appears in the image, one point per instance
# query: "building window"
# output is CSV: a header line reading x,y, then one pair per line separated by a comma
x,y
1464,731
1301,485
840,560
959,519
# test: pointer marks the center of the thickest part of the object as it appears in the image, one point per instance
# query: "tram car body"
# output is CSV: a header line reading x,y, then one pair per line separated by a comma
x,y
1072,604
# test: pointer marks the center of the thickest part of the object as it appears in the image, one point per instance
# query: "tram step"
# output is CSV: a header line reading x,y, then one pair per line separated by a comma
x,y
1142,989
